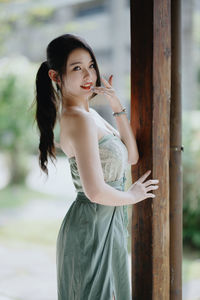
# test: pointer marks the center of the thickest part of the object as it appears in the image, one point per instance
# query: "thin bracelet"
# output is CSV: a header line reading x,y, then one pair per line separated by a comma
x,y
119,113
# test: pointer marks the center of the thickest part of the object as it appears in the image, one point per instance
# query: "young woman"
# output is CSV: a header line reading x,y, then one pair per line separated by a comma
x,y
92,257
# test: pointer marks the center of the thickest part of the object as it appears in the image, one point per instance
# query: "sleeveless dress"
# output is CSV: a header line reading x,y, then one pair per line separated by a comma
x,y
91,249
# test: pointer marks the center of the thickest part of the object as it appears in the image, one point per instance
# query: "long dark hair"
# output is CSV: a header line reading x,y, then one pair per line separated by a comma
x,y
46,99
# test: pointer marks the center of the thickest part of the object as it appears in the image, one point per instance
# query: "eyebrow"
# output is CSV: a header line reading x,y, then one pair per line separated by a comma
x,y
79,62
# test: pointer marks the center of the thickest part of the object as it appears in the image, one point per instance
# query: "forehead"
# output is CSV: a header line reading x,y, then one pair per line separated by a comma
x,y
79,55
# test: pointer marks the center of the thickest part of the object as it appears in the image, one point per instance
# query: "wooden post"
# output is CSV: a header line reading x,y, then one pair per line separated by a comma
x,y
161,145
175,158
150,119
141,122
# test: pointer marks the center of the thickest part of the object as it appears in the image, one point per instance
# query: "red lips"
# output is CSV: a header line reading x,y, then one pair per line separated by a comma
x,y
87,85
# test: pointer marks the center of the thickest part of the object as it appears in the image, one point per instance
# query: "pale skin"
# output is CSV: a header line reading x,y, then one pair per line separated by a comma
x,y
81,127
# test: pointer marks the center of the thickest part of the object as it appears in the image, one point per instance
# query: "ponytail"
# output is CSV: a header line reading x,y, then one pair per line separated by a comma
x,y
46,114
47,98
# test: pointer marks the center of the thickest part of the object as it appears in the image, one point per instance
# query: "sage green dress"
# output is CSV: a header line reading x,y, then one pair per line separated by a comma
x,y
92,255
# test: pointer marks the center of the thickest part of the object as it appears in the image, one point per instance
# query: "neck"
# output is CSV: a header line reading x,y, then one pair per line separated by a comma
x,y
72,102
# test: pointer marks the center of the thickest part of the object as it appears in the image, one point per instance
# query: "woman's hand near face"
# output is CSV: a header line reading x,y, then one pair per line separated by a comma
x,y
107,90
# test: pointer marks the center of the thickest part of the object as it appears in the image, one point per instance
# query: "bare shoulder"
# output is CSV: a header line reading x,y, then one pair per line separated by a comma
x,y
75,123
70,118
82,134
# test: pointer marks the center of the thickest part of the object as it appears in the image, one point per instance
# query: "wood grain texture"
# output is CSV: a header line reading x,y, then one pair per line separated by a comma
x,y
150,119
141,122
161,135
175,166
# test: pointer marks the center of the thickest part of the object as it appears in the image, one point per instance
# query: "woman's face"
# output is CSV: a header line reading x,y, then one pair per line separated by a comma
x,y
80,74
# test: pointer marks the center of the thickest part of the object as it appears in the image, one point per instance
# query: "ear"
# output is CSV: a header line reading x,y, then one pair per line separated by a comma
x,y
54,76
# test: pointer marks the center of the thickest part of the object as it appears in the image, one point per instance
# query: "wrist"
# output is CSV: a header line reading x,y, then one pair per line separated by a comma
x,y
131,197
123,111
116,105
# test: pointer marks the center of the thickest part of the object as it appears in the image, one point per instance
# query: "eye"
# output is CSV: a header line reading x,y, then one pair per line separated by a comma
x,y
92,65
75,69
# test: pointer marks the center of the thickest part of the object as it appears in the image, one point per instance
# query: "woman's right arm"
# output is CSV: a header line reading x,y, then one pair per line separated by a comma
x,y
83,138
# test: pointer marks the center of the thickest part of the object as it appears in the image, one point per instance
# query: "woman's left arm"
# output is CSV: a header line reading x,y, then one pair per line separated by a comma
x,y
124,128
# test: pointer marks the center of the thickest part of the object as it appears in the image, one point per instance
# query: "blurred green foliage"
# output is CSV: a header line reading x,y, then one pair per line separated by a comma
x,y
20,194
198,88
17,134
40,14
191,179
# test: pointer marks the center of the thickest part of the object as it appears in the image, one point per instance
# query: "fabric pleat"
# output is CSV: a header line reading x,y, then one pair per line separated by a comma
x,y
91,249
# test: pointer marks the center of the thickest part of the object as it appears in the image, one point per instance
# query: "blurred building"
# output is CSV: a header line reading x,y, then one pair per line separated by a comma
x,y
28,26
104,24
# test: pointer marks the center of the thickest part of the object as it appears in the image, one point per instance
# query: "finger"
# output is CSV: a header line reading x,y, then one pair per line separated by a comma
x,y
98,90
105,82
104,91
152,187
104,88
149,195
110,80
101,92
143,177
151,181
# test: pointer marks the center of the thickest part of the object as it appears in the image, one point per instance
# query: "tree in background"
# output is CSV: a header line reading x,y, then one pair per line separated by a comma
x,y
191,175
17,134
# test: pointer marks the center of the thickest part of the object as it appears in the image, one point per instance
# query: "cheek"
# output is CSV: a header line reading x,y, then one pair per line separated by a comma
x,y
74,75
72,79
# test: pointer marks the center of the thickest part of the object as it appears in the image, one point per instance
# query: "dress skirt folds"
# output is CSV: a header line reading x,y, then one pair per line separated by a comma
x,y
92,255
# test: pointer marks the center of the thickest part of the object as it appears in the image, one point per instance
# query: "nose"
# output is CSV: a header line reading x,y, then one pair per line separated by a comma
x,y
86,73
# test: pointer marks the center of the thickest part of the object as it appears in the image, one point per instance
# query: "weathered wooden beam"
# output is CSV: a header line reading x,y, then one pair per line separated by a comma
x,y
175,169
141,122
150,119
161,145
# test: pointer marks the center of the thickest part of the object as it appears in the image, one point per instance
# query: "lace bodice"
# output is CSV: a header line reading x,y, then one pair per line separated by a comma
x,y
114,160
